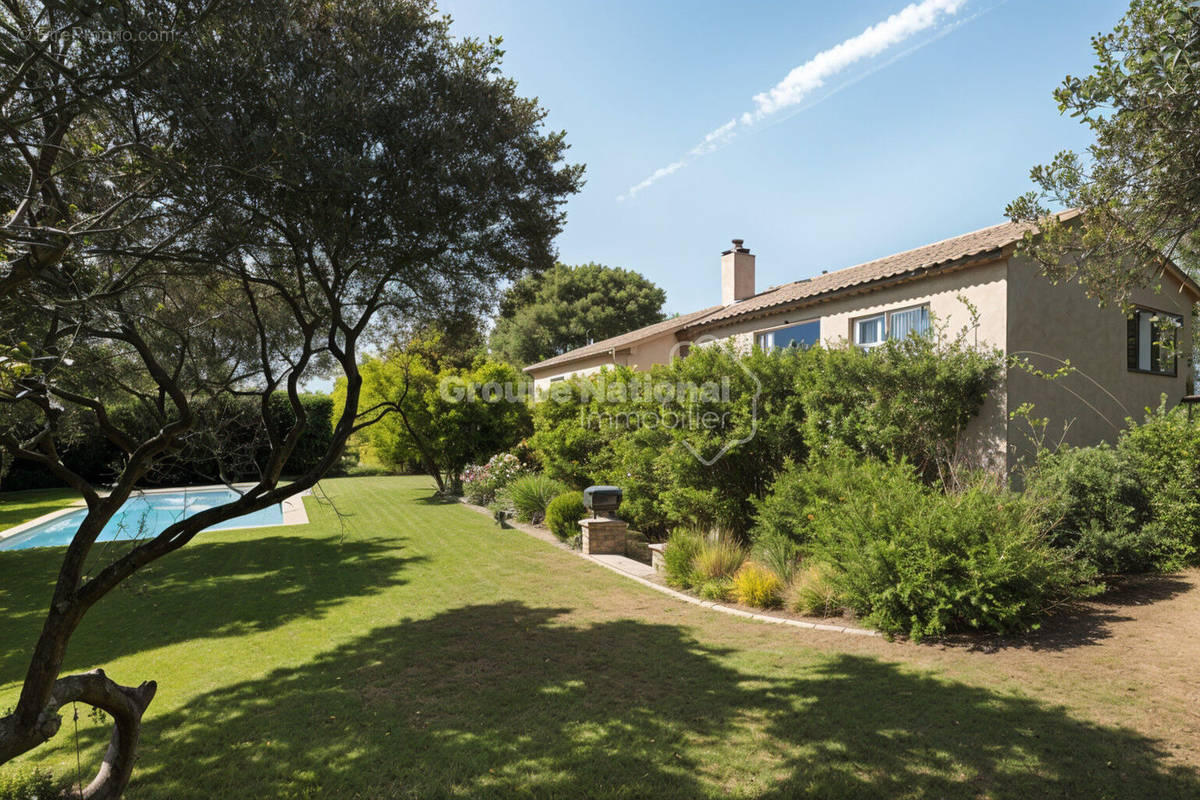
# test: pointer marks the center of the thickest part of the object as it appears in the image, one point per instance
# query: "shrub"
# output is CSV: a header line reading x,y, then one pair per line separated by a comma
x,y
563,514
26,784
481,482
799,495
910,398
814,592
679,557
906,399
1095,504
1164,450
755,585
529,495
719,590
1132,508
566,446
908,559
588,430
781,514
717,558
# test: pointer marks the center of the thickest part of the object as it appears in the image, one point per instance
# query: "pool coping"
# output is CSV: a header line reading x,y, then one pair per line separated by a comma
x,y
292,508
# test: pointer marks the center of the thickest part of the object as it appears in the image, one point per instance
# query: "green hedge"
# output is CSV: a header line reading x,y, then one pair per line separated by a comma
x,y
908,399
608,428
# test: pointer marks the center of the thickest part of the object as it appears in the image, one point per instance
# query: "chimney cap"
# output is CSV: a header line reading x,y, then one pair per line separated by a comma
x,y
737,247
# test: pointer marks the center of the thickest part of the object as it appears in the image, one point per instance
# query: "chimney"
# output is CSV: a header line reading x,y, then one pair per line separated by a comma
x,y
737,273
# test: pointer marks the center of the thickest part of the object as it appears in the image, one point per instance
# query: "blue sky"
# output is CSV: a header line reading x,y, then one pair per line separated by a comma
x,y
901,151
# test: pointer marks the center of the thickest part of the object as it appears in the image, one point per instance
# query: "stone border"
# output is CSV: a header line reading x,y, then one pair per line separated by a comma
x,y
678,595
294,512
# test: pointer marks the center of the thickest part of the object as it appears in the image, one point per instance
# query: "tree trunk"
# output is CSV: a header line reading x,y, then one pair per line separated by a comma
x,y
126,704
427,460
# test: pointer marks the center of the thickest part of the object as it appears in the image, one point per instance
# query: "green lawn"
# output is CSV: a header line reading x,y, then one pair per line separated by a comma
x,y
423,652
18,507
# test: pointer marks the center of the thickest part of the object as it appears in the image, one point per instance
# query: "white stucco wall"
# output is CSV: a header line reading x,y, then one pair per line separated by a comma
x,y
642,356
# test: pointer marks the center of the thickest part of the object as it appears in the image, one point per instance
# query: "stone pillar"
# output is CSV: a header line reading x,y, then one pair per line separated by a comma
x,y
603,535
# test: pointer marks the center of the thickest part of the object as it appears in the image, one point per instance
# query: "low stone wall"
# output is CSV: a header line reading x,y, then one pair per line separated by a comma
x,y
656,556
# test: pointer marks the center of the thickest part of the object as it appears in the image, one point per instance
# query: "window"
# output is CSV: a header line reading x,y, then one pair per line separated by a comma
x,y
908,321
870,331
804,335
1153,338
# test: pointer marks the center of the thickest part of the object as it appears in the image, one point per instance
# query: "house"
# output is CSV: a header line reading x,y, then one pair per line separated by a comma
x,y
1118,367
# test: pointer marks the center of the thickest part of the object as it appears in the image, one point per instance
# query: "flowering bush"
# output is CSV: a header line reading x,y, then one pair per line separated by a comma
x,y
482,481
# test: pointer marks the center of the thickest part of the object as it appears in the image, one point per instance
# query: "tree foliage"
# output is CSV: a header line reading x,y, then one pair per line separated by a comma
x,y
565,307
1135,190
443,417
217,224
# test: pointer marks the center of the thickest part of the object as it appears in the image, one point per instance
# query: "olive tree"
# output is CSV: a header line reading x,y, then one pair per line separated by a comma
x,y
291,177
1134,196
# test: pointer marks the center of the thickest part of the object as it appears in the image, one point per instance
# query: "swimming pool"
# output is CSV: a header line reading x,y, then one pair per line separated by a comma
x,y
141,517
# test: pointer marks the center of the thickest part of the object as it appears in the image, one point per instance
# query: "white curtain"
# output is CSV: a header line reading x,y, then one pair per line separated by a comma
x,y
870,331
914,320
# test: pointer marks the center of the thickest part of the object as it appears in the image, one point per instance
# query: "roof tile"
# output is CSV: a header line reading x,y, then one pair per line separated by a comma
x,y
624,340
919,259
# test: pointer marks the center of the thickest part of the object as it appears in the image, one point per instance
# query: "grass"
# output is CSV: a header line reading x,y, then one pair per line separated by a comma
x,y
18,507
424,652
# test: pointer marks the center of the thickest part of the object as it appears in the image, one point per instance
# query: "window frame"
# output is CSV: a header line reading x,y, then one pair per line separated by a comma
x,y
1133,342
856,327
760,333
886,316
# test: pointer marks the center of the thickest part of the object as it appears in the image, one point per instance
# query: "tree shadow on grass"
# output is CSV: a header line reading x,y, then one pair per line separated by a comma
x,y
435,499
206,589
506,700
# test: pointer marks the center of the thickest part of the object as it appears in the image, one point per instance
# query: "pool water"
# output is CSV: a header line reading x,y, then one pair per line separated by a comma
x,y
142,517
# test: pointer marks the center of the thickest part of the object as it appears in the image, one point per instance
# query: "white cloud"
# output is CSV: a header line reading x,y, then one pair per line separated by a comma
x,y
813,74
715,139
662,172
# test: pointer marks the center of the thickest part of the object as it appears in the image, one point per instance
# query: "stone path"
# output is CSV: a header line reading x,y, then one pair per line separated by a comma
x,y
640,572
629,566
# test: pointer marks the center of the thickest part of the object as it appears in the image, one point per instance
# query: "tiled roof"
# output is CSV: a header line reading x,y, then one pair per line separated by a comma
x,y
624,340
912,262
